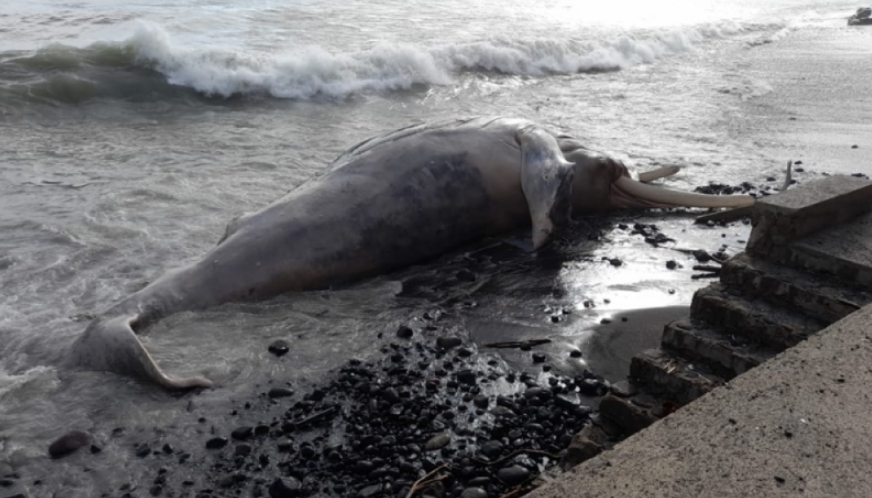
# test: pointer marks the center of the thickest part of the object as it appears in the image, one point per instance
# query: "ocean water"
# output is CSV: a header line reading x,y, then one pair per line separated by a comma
x,y
131,132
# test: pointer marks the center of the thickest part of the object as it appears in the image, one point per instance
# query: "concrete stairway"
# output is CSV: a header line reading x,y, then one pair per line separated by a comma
x,y
808,264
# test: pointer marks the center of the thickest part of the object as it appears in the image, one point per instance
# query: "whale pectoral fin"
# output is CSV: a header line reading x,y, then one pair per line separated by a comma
x,y
546,179
111,345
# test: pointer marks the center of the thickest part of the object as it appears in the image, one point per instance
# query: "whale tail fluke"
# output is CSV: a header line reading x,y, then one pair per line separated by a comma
x,y
111,345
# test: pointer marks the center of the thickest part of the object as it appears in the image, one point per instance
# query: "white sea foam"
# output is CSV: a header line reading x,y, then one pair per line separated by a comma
x,y
306,72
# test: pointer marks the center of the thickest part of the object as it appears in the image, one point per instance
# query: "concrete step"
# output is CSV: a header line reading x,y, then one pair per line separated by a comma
x,y
725,355
674,378
755,319
804,210
821,296
634,413
843,251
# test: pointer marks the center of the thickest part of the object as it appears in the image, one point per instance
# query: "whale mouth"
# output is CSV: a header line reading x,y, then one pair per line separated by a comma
x,y
628,193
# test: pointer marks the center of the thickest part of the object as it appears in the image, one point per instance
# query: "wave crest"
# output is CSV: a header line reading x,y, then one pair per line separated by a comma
x,y
312,71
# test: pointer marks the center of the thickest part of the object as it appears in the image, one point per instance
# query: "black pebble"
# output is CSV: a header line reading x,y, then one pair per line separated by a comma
x,y
216,443
405,332
539,357
513,475
575,353
671,264
242,433
68,443
279,348
448,342
287,487
280,392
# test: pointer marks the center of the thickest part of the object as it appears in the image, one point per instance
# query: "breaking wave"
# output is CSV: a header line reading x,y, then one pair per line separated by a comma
x,y
149,63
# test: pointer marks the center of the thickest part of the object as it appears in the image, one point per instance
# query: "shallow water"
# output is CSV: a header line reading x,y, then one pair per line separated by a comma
x,y
132,132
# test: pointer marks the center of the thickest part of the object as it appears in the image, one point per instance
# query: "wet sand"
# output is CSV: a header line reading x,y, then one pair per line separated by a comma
x,y
820,104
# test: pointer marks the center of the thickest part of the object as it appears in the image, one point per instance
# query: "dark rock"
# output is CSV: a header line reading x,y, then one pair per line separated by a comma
x,y
480,401
279,348
95,449
464,352
448,342
438,441
242,433
588,443
513,475
167,448
68,443
287,487
143,450
702,256
491,449
242,450
371,491
280,392
216,443
605,321
466,377
671,264
405,332
575,353
624,389
155,490
473,492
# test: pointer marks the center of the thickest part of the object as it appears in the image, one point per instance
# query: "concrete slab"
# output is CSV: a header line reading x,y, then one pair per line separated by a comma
x,y
805,210
798,425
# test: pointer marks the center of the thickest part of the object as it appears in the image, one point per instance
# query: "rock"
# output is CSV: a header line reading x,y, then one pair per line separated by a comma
x,y
448,342
855,146
671,264
615,262
491,449
624,389
588,443
480,401
464,352
242,450
143,450
370,491
280,392
473,493
513,475
167,449
575,354
287,487
216,443
438,441
404,332
68,443
279,347
466,377
539,357
702,256
95,449
242,433
364,467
